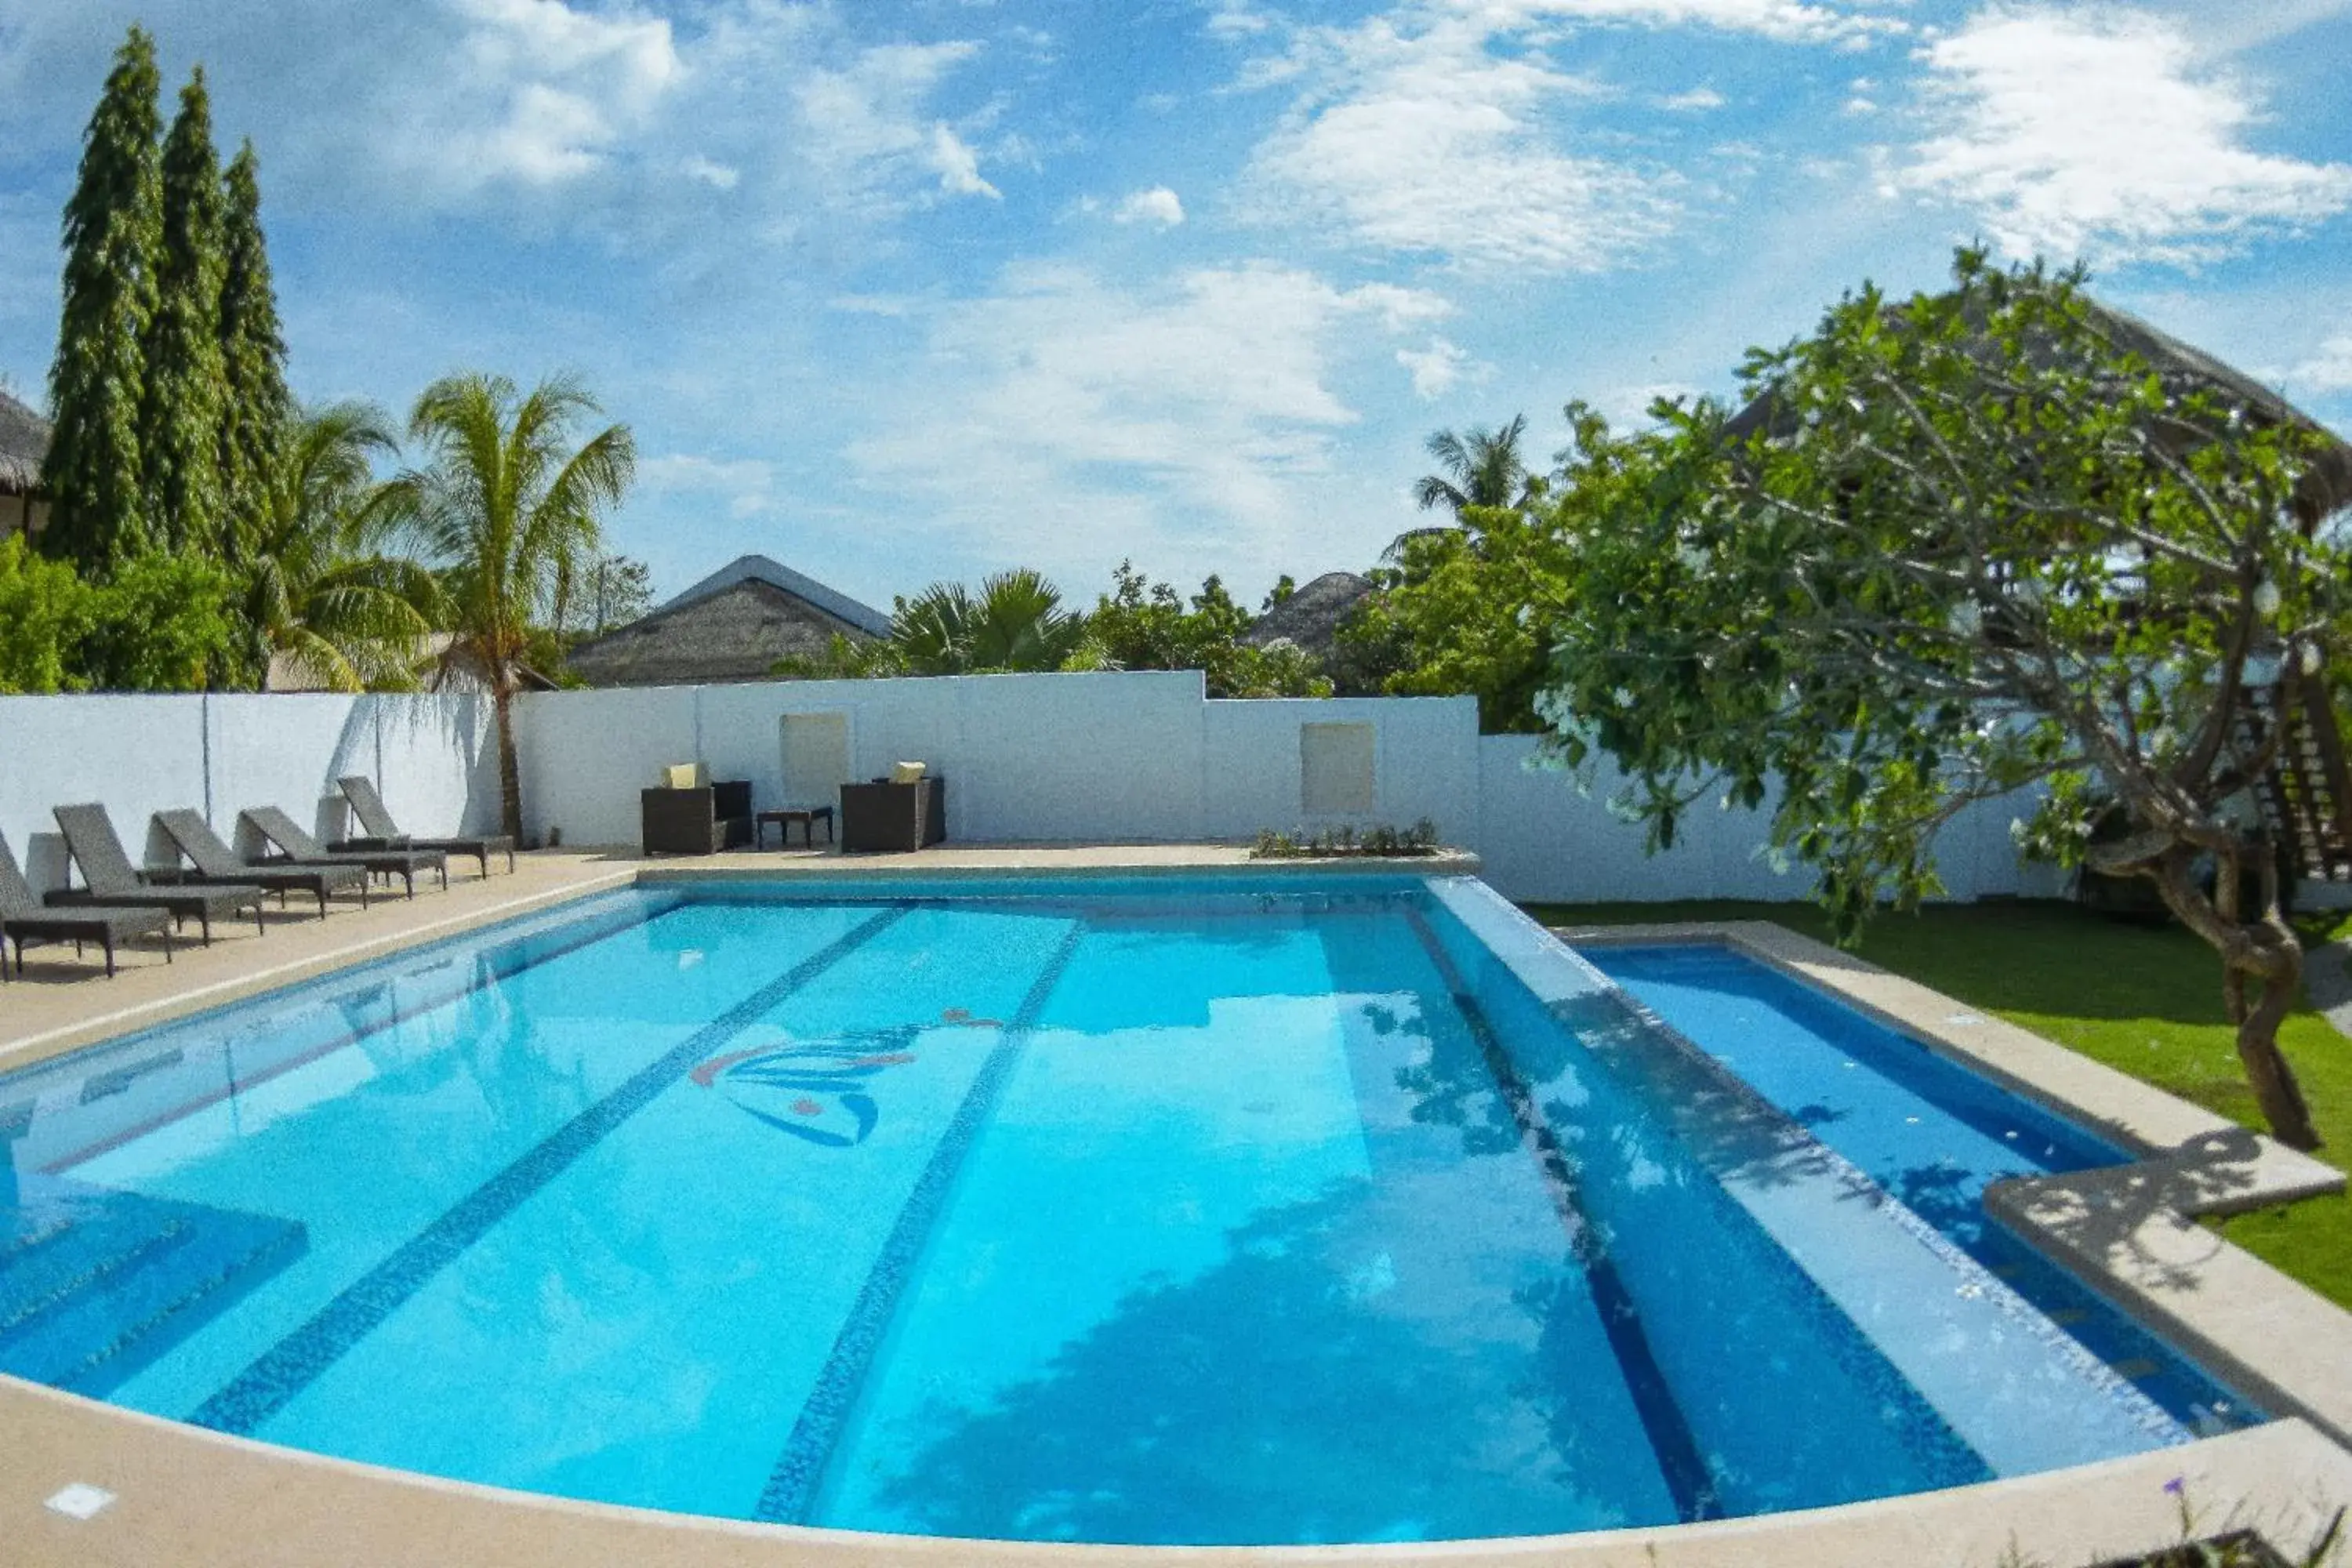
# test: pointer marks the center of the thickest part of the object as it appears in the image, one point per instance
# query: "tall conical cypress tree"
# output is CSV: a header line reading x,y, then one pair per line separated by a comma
x,y
93,472
253,354
187,387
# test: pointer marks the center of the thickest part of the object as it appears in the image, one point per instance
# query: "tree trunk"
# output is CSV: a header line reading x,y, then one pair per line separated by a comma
x,y
2264,950
509,772
2275,1089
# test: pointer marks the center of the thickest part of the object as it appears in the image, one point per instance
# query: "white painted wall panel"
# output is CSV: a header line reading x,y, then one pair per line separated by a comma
x,y
1541,839
583,756
437,762
1425,763
136,755
287,751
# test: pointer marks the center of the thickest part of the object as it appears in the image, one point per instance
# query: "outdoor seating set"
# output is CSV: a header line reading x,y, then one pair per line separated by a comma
x,y
117,900
690,815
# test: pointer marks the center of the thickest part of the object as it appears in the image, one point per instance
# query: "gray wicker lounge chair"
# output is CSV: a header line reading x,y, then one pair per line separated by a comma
x,y
25,921
111,882
215,861
383,833
300,850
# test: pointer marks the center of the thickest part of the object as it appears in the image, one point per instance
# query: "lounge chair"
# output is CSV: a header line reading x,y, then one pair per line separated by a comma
x,y
300,850
383,833
215,861
24,920
111,881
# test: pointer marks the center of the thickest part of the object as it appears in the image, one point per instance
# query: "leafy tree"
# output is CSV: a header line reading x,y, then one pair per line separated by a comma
x,y
45,613
1977,546
1477,608
162,622
507,509
1142,625
613,590
320,591
1284,587
1015,623
93,472
182,414
257,413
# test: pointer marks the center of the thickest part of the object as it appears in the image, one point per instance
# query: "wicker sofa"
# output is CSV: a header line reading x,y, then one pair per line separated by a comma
x,y
883,815
701,820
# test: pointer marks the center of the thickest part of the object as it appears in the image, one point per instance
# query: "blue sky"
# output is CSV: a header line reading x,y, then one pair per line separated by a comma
x,y
903,291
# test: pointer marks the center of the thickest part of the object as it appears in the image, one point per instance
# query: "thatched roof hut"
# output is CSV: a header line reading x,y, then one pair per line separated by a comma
x,y
2184,368
24,443
1310,617
734,625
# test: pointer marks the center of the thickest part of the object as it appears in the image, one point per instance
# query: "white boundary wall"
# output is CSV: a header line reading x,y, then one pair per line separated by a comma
x,y
1543,840
1135,757
432,758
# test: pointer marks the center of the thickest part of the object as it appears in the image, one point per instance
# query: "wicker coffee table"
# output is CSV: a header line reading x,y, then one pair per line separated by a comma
x,y
807,816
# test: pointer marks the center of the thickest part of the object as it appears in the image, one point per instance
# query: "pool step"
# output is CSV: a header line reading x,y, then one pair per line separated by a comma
x,y
95,1284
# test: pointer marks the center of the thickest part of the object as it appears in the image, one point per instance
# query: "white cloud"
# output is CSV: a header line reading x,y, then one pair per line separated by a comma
x,y
1065,420
1696,98
2101,134
1430,143
1157,206
1788,20
1438,368
561,88
717,176
745,484
958,165
2328,371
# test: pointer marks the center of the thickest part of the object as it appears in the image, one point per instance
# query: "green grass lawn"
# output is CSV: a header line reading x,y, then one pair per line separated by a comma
x,y
2144,999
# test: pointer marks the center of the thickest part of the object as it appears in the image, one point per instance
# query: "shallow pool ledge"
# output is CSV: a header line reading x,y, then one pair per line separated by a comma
x,y
2128,1231
200,1500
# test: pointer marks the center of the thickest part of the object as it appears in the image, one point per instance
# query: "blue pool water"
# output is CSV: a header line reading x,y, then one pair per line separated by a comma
x,y
1353,1211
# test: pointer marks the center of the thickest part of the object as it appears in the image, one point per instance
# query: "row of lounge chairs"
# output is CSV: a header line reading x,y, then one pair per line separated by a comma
x,y
117,900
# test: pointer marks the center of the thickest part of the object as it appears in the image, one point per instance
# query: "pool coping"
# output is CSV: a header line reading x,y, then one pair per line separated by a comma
x,y
203,1499
2128,1231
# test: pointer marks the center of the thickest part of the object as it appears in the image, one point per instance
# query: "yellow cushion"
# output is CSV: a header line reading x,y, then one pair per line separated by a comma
x,y
907,773
683,775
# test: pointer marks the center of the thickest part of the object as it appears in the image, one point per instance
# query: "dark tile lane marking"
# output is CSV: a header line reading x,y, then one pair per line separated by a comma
x,y
1680,1462
291,1366
792,1486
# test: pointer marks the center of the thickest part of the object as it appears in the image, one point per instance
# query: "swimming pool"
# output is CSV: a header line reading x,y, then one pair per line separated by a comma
x,y
1344,1211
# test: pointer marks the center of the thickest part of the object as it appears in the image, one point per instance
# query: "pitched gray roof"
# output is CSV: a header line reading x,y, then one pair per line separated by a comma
x,y
24,442
761,569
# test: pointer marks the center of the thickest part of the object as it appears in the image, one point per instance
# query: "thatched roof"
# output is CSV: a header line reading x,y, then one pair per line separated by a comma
x,y
734,625
24,442
2184,368
1311,616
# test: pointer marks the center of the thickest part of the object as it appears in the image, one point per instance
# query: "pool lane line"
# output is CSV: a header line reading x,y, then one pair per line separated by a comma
x,y
1680,1464
792,1488
294,1362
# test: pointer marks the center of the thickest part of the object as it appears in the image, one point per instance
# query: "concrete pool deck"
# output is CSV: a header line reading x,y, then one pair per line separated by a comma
x,y
185,1496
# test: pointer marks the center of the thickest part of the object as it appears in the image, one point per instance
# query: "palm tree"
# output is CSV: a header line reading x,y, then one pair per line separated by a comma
x,y
1482,468
320,592
511,515
1016,623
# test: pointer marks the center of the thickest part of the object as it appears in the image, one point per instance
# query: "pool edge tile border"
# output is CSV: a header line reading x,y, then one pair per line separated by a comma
x,y
2128,1231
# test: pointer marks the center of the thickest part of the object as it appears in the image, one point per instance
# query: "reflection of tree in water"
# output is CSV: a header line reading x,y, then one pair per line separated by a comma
x,y
1649,1132
1264,1402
